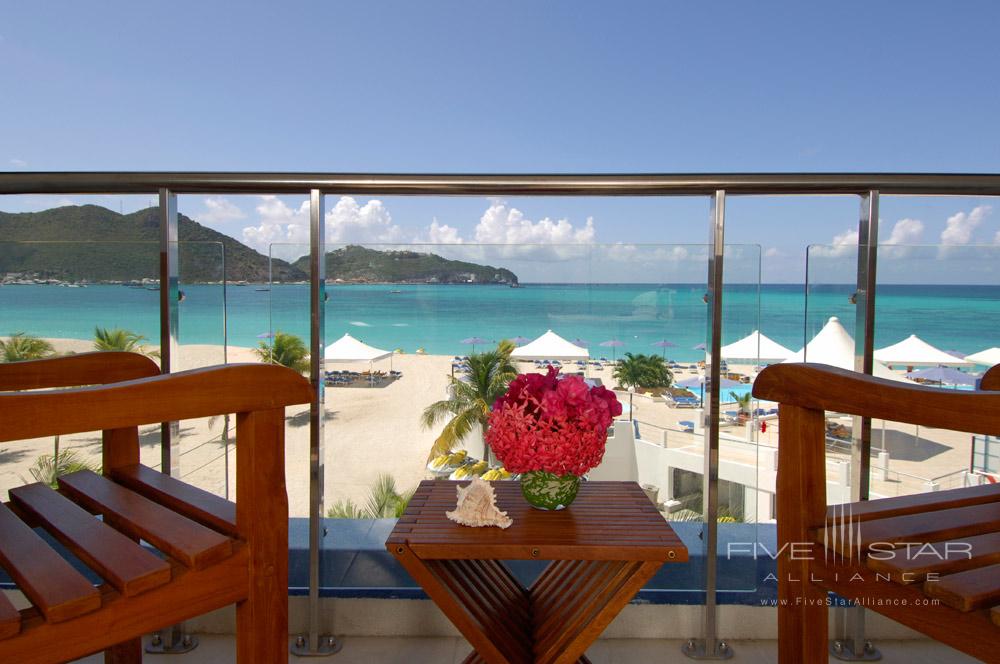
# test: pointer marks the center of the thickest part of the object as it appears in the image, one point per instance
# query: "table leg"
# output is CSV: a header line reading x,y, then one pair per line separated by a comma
x,y
482,599
574,601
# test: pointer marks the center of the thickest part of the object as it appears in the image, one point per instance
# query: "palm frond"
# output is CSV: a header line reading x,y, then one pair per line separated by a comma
x,y
286,349
403,502
47,469
443,444
345,509
21,346
383,497
436,411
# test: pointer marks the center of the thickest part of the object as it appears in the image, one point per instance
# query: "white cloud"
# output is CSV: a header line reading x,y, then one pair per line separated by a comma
x,y
501,224
841,245
349,222
278,224
960,226
441,234
996,239
219,210
346,222
906,231
773,252
18,163
848,238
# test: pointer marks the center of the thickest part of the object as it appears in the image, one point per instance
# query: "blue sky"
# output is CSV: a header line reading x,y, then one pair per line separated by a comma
x,y
515,87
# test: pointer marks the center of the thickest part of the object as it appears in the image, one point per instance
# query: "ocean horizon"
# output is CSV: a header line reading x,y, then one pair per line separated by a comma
x,y
436,317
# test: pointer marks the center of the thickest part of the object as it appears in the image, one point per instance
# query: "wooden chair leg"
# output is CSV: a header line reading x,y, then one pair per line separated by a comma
x,y
262,519
801,506
127,652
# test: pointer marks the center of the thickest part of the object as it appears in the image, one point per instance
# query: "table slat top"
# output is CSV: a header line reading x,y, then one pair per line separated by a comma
x,y
607,521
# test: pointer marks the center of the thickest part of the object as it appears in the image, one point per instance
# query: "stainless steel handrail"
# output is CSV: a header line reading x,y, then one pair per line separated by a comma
x,y
667,184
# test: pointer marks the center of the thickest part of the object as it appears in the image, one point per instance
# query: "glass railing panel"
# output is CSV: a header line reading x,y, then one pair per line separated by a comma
x,y
278,329
947,296
206,445
828,337
59,298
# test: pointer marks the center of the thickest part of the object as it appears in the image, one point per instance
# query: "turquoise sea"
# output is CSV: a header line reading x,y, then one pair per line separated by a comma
x,y
437,317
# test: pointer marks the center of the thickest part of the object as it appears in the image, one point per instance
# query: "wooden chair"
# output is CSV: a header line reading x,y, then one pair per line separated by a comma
x,y
944,583
212,552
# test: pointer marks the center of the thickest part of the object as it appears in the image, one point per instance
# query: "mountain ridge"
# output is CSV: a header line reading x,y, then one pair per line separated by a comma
x,y
90,243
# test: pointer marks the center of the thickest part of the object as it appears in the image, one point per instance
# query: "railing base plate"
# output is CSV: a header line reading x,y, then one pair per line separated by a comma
x,y
697,649
844,651
328,645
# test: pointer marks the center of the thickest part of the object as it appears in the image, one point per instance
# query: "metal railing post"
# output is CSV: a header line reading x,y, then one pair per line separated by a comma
x,y
708,646
174,640
169,321
314,644
850,642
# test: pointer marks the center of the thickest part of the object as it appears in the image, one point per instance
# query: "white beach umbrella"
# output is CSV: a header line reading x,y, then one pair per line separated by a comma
x,y
349,349
987,358
913,351
756,346
550,346
834,346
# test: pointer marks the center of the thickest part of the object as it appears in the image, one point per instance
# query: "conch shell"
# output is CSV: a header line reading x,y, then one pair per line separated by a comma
x,y
477,506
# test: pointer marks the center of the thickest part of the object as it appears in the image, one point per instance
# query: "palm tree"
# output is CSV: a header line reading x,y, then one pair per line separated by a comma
x,y
21,346
18,348
118,339
471,399
644,371
742,402
384,502
285,349
48,468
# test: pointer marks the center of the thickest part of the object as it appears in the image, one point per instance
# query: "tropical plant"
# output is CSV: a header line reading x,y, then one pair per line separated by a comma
x,y
285,349
384,502
645,371
742,401
47,468
20,346
472,397
118,339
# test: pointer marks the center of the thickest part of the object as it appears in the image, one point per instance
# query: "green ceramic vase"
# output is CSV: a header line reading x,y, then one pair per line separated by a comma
x,y
547,491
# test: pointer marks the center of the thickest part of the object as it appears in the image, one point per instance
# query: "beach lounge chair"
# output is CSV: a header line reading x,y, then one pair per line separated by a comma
x,y
945,582
212,552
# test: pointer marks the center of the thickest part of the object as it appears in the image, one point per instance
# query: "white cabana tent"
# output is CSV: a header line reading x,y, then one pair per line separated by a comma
x,y
757,347
914,351
986,358
550,346
349,349
834,346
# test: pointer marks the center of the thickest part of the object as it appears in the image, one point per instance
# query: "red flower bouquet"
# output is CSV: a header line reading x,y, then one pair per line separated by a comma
x,y
551,424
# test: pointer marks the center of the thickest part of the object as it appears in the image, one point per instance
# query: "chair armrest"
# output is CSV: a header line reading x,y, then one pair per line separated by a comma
x,y
97,368
234,388
991,379
825,388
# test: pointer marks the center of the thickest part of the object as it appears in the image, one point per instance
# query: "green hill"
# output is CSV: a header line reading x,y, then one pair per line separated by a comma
x,y
355,264
92,243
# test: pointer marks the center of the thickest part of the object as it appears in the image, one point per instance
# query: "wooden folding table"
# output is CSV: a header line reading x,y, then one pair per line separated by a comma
x,y
603,548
